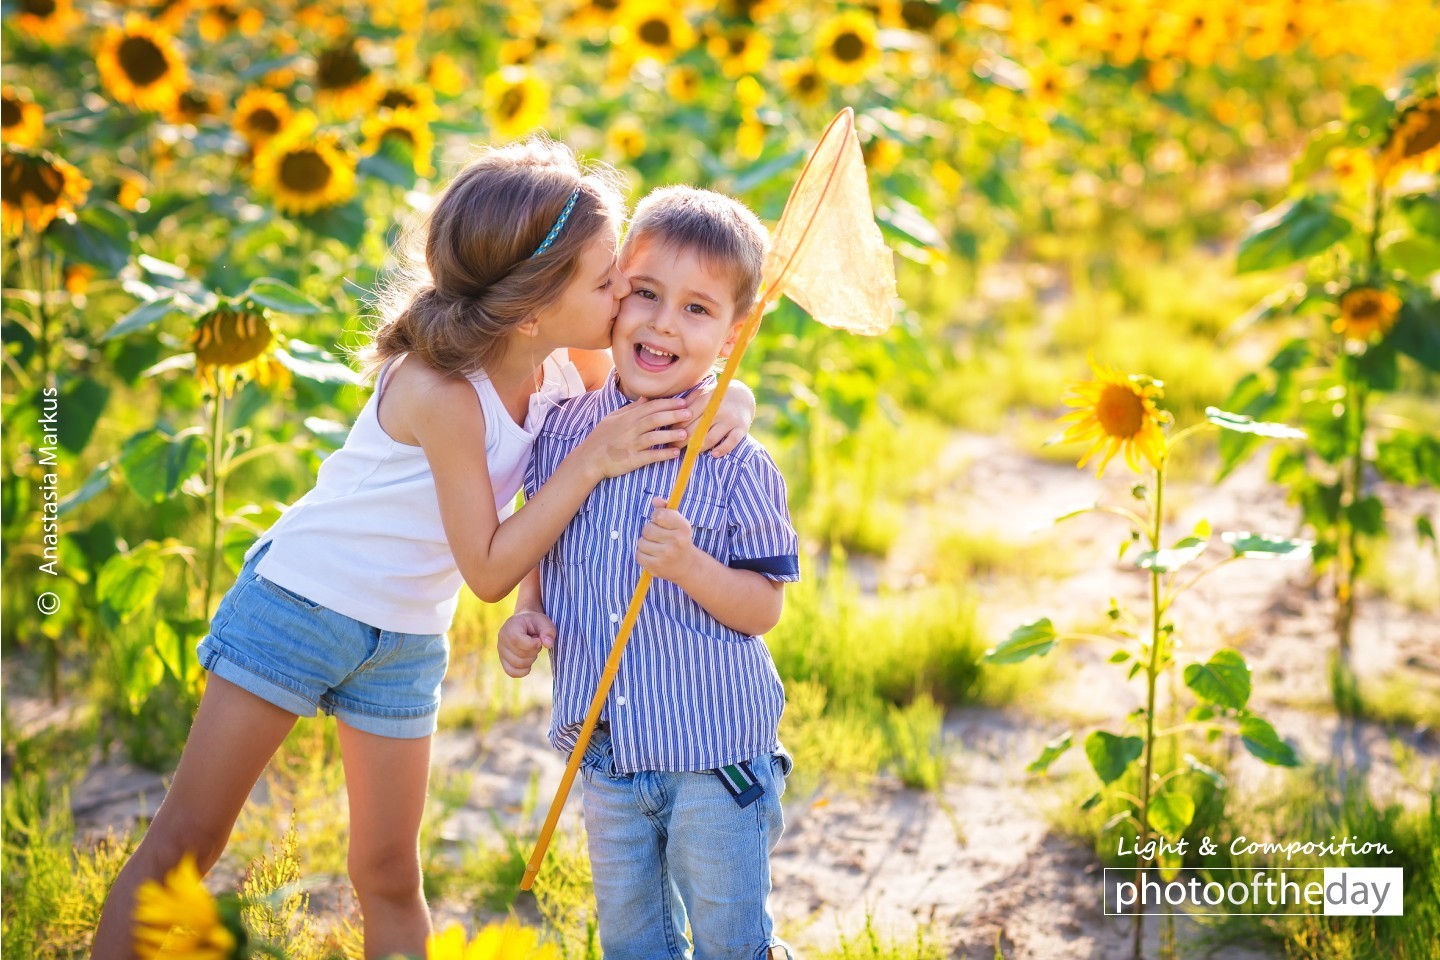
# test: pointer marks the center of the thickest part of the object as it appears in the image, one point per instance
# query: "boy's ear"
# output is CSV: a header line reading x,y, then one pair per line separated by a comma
x,y
728,346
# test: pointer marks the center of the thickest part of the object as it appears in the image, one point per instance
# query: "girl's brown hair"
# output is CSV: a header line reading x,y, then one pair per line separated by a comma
x,y
467,275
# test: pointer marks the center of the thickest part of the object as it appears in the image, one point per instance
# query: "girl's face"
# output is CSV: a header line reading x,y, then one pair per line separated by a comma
x,y
584,313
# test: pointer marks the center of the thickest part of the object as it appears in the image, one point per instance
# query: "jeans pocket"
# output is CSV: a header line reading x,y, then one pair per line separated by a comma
x,y
289,596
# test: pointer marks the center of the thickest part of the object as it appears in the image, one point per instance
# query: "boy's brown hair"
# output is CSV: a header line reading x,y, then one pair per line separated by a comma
x,y
721,229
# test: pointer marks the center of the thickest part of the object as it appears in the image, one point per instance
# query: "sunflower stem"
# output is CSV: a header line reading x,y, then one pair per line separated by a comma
x,y
1152,671
216,470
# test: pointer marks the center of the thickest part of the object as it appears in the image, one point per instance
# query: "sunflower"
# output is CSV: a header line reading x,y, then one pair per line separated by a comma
x,y
220,17
1118,413
1048,83
133,187
38,187
444,75
231,344
682,83
917,16
517,102
418,99
140,65
178,918
626,137
882,155
847,47
261,114
656,29
343,81
1366,311
748,11
48,20
526,50
740,50
409,126
195,105
802,81
507,941
593,17
1414,139
305,171
22,120
750,139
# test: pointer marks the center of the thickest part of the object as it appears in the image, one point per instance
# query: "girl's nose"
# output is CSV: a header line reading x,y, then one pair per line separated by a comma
x,y
622,286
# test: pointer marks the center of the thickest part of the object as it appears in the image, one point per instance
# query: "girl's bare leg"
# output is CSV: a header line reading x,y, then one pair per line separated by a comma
x,y
235,734
386,779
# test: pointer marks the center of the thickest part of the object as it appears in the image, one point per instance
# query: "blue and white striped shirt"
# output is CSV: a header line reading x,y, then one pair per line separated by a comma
x,y
691,694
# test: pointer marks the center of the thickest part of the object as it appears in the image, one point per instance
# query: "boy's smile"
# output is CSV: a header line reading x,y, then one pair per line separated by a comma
x,y
678,319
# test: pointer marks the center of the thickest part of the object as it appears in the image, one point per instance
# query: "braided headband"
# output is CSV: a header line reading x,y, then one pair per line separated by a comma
x,y
559,225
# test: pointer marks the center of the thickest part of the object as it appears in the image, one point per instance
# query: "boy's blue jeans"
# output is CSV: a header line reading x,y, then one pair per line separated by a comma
x,y
667,847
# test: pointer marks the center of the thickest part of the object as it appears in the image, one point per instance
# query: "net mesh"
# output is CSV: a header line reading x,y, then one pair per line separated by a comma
x,y
827,254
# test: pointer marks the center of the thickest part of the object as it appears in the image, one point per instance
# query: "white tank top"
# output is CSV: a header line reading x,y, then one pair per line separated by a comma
x,y
367,540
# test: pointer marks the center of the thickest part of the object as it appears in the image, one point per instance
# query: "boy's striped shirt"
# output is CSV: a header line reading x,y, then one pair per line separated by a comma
x,y
691,694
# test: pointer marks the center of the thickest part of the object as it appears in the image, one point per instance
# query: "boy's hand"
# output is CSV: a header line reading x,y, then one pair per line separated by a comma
x,y
665,548
520,640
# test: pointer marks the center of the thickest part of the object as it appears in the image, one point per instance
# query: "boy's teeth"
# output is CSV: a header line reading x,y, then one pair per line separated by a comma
x,y
652,351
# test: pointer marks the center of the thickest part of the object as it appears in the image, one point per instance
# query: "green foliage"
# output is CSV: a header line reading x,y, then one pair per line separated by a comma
x,y
869,945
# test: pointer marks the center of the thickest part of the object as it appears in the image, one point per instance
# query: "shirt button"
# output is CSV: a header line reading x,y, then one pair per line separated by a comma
x,y
614,534
614,618
619,701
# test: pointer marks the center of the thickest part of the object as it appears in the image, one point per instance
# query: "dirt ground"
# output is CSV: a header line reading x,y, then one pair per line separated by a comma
x,y
982,858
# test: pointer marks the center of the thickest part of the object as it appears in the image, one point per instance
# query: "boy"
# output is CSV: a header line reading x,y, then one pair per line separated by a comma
x,y
684,774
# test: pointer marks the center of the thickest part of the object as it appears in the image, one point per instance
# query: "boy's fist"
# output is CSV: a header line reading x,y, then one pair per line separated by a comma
x,y
520,640
665,548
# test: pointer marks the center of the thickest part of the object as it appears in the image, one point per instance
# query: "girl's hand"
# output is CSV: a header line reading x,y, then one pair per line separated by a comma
x,y
521,639
637,434
732,421
666,549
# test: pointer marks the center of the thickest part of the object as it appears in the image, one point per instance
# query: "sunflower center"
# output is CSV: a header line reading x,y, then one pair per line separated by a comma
x,y
512,101
32,177
397,98
848,47
10,113
39,8
807,83
654,33
1363,309
919,15
142,60
1425,137
340,68
263,120
229,338
737,45
606,6
305,171
1120,410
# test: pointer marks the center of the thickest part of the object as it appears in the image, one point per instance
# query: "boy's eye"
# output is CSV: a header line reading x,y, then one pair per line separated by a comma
x,y
644,294
696,308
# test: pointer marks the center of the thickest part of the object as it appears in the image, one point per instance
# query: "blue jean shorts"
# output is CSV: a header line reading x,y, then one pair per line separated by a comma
x,y
306,658
674,850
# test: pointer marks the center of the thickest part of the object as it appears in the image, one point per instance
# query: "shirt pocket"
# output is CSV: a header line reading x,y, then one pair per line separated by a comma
x,y
576,543
709,521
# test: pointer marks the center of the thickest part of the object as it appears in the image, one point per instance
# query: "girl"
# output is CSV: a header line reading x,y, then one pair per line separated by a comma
x,y
343,604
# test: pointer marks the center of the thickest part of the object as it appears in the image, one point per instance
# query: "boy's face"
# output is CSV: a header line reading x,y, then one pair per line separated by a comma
x,y
678,318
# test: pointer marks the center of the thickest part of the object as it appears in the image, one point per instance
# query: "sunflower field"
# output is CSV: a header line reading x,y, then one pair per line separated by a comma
x,y
1202,220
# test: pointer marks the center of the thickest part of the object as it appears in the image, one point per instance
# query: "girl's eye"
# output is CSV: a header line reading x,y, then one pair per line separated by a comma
x,y
607,284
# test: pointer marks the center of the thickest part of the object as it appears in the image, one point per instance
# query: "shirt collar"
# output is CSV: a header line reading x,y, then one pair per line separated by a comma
x,y
611,399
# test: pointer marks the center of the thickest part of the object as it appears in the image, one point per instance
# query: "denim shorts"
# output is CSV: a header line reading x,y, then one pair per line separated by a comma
x,y
674,850
306,658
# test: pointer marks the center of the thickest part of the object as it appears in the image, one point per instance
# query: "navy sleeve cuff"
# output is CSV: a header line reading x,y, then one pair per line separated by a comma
x,y
774,567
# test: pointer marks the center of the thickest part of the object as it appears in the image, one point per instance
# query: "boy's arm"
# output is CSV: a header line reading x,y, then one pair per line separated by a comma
x,y
743,600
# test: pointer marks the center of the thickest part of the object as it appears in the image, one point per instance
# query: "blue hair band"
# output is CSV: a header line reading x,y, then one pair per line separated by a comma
x,y
559,225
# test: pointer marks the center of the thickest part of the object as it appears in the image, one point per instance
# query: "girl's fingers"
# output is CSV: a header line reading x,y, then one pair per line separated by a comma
x,y
657,438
